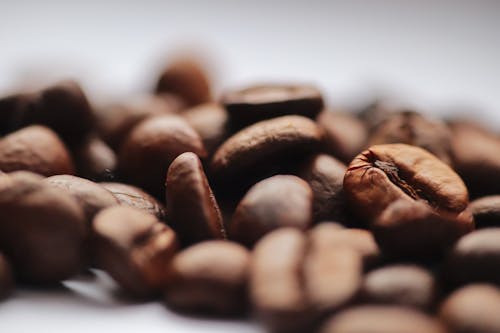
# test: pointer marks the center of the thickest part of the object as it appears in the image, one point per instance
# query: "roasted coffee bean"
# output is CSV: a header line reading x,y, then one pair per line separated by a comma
x,y
131,196
375,113
11,107
409,229
150,148
279,201
472,309
41,229
134,248
325,175
90,196
475,159
259,102
6,277
486,211
186,78
385,173
381,319
407,285
345,135
209,277
475,258
95,160
37,149
210,120
192,209
414,129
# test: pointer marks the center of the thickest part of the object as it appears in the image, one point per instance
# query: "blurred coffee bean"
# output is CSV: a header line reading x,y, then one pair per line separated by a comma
x,y
134,248
95,160
260,102
381,319
41,229
37,149
345,135
486,211
6,277
407,285
11,108
209,278
134,197
279,201
150,148
192,209
472,309
375,113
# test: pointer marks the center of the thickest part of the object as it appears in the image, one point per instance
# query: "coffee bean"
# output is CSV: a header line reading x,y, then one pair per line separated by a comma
x,y
381,319
134,197
486,211
41,229
375,113
325,175
259,102
385,173
95,160
472,309
188,79
11,108
475,258
407,285
150,148
279,201
134,248
90,196
6,277
345,135
37,149
209,277
192,209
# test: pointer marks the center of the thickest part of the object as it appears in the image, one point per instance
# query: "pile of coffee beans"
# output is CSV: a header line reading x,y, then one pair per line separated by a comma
x,y
261,202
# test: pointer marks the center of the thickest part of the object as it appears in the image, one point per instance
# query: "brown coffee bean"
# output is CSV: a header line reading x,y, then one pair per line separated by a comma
x,y
187,78
381,319
134,248
90,196
409,229
11,107
150,148
414,129
279,201
37,149
41,229
475,258
325,175
209,277
134,197
375,113
259,102
407,285
486,211
95,160
6,277
192,209
345,135
385,173
472,309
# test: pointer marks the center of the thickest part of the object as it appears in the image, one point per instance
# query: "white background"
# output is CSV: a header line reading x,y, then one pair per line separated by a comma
x,y
438,56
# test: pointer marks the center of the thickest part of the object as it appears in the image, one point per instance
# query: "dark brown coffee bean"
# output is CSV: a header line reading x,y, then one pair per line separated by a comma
x,y
41,229
37,149
279,201
409,229
345,135
150,148
11,108
90,196
325,175
6,277
192,209
407,285
95,160
414,129
475,157
385,173
186,78
475,258
486,211
209,277
210,120
259,102
134,248
381,319
472,309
